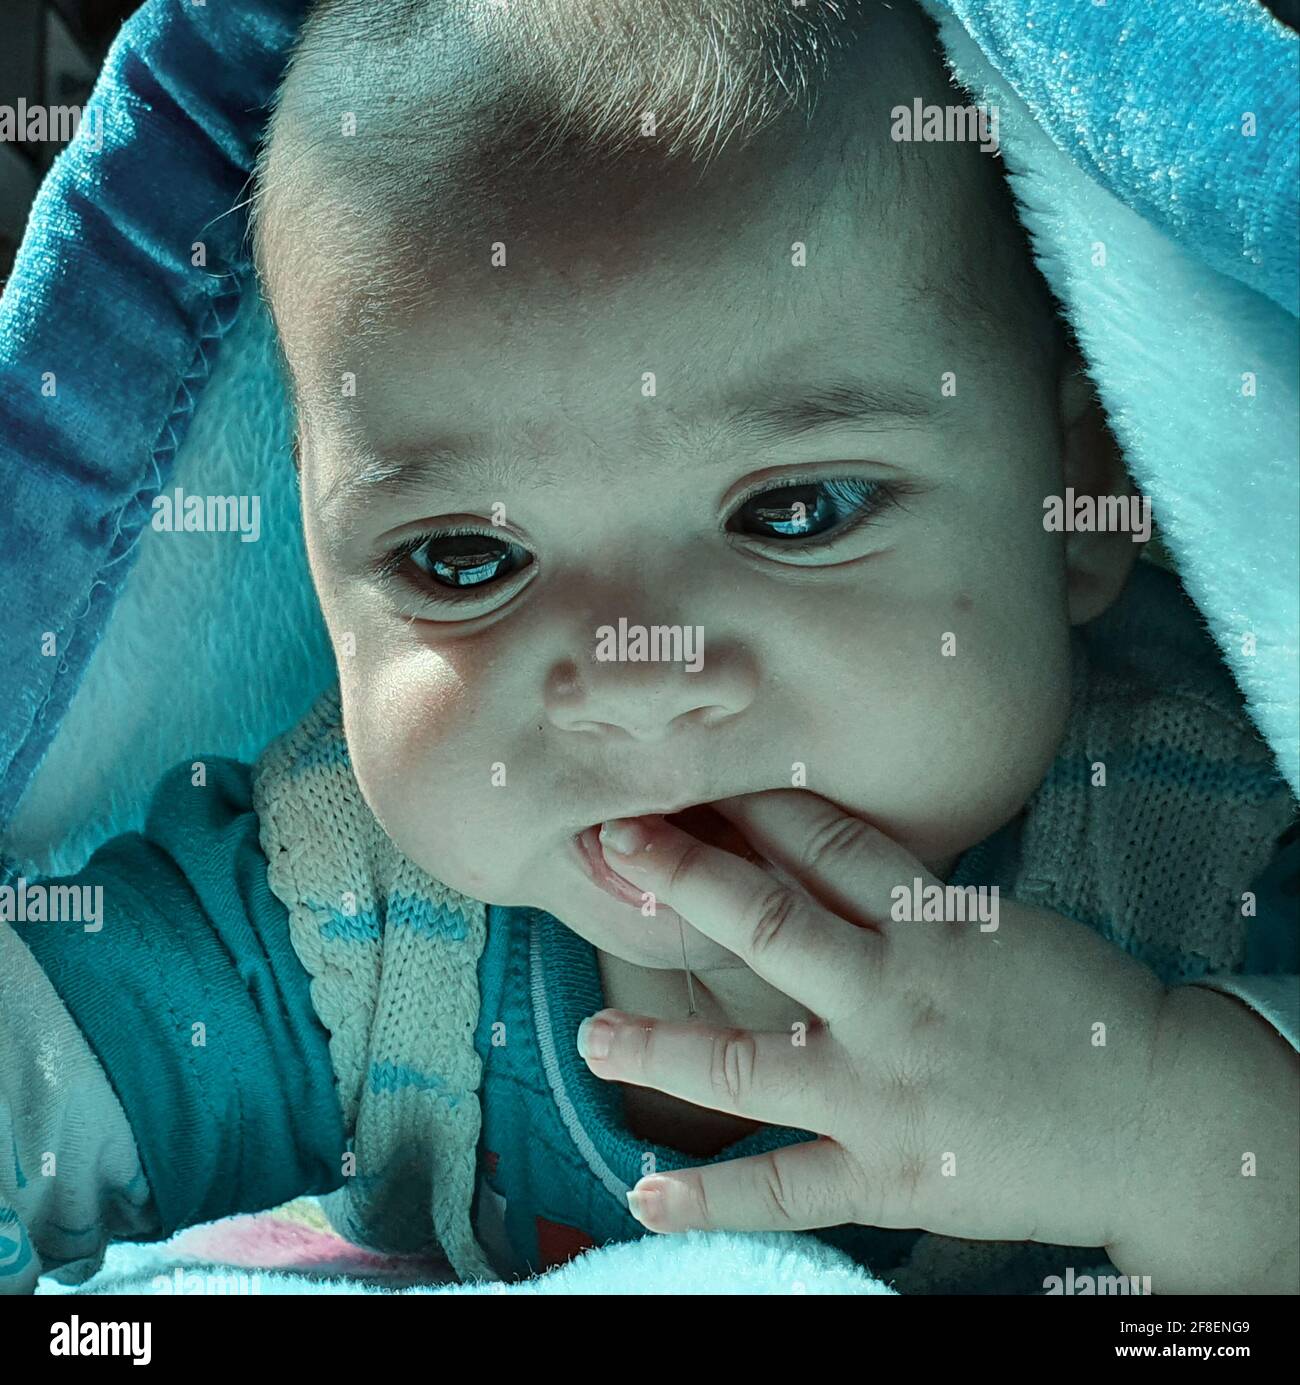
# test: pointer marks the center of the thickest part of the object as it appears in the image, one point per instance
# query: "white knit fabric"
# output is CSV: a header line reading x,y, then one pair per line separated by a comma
x,y
393,956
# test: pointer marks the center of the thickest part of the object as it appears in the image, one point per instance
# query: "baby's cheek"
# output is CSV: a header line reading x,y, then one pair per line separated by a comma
x,y
424,737
396,711
1001,703
403,726
977,705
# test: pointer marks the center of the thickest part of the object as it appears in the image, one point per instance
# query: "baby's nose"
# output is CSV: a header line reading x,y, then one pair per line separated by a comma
x,y
649,683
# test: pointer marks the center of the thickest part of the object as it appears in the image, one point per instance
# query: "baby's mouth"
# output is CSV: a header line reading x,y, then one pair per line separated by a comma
x,y
701,821
705,823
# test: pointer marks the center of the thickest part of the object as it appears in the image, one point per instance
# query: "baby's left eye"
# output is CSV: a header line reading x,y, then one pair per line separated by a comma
x,y
811,509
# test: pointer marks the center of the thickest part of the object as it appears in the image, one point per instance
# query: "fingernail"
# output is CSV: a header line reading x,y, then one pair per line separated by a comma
x,y
623,836
647,1202
595,1038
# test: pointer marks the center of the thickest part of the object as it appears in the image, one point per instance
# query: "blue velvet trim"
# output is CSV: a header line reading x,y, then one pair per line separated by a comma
x,y
108,332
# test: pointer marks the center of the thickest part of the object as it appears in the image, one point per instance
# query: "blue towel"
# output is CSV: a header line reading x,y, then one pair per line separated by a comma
x,y
1152,101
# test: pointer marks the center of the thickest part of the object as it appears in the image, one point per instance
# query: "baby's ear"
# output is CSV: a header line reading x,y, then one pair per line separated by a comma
x,y
1098,561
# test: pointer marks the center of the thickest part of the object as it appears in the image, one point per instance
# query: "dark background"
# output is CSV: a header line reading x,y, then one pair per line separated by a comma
x,y
51,51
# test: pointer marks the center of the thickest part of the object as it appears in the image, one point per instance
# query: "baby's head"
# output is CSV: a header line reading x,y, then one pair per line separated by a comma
x,y
631,313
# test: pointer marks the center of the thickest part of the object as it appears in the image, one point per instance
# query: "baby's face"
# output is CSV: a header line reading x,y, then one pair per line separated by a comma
x,y
858,553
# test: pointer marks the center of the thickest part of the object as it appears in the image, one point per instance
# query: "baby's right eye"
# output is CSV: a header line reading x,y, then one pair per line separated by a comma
x,y
454,560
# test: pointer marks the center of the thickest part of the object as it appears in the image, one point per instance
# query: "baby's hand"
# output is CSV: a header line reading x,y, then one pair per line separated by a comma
x,y
988,1080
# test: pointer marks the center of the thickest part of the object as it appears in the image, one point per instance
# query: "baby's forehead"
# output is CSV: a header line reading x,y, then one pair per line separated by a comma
x,y
810,218
738,328
722,306
827,208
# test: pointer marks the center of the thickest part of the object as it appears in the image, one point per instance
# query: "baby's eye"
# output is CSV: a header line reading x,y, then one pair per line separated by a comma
x,y
810,509
459,560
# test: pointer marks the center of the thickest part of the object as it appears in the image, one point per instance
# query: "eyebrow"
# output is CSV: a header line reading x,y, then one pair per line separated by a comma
x,y
409,468
780,416
413,468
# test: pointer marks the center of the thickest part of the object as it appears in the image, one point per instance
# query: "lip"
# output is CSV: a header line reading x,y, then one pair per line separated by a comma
x,y
592,860
677,806
714,830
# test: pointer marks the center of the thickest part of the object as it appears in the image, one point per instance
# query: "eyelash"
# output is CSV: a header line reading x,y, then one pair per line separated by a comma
x,y
390,568
867,508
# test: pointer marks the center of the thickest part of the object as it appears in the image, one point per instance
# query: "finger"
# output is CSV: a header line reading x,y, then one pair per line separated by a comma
x,y
766,1077
845,862
778,931
796,1188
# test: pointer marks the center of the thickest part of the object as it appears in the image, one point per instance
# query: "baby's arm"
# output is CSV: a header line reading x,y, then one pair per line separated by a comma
x,y
1223,1178
70,1175
1212,1205
180,1031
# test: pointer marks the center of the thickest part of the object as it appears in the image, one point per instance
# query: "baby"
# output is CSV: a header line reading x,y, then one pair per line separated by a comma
x,y
636,315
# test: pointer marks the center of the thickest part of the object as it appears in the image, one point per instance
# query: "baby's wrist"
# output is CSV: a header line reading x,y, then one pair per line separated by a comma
x,y
1212,1204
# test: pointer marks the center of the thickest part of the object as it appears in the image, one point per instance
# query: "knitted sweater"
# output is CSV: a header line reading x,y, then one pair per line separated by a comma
x,y
1161,809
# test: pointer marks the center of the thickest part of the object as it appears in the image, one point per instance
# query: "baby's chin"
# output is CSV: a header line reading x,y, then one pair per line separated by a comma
x,y
654,941
942,867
